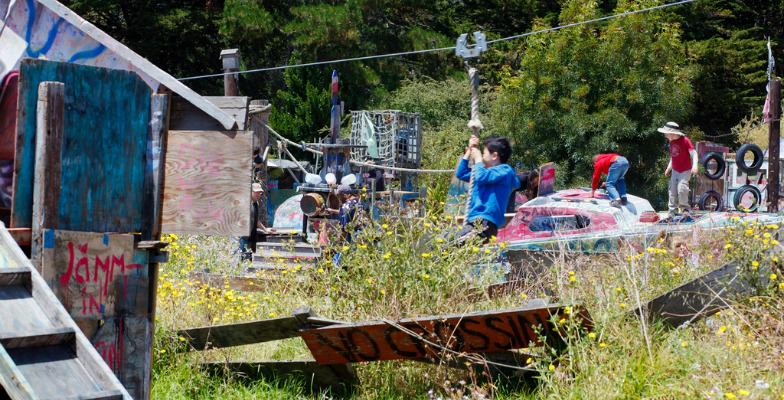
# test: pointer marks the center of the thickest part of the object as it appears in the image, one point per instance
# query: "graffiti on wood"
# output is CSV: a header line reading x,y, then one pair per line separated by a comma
x,y
487,332
103,282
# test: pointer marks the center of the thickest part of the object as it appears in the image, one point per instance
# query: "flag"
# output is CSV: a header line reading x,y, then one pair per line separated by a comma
x,y
335,112
766,115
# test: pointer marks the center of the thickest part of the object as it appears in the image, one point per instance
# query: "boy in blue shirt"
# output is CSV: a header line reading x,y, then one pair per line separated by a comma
x,y
493,181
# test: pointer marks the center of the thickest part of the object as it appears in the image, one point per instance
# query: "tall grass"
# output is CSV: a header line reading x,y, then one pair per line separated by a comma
x,y
405,267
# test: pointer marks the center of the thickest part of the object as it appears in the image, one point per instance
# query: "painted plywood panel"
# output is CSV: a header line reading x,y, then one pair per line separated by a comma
x,y
105,134
48,30
103,283
207,183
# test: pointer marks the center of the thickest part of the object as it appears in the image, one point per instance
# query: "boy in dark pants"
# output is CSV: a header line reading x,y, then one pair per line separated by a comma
x,y
493,181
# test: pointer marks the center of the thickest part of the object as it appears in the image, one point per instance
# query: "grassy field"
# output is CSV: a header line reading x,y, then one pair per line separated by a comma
x,y
399,268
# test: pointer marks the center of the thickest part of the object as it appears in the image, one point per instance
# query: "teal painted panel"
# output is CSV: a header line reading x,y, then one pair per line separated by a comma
x,y
104,150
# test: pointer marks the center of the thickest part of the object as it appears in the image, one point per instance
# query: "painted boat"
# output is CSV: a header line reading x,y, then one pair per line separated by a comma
x,y
572,220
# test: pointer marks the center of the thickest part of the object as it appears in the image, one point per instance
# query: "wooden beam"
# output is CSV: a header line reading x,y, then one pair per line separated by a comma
x,y
159,126
482,332
699,298
265,330
48,142
774,139
38,338
22,236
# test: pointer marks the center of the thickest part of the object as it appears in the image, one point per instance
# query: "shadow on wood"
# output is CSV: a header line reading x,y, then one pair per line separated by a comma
x,y
339,380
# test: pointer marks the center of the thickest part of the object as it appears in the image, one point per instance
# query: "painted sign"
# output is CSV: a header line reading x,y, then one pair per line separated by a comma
x,y
546,179
485,332
103,283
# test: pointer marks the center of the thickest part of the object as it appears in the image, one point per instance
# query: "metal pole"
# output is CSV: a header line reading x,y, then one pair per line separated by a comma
x,y
774,136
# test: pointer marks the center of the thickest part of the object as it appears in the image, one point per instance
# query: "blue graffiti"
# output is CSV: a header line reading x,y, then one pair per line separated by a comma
x,y
31,7
85,54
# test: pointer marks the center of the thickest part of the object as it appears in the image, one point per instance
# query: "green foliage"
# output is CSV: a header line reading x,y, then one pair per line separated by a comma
x,y
597,88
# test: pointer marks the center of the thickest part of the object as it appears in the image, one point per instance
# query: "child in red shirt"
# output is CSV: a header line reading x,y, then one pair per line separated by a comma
x,y
683,164
615,167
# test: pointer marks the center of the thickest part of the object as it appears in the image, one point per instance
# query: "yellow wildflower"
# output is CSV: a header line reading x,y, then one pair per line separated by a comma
x,y
475,249
426,255
592,335
529,360
744,392
384,226
602,345
730,396
387,255
551,367
684,344
773,277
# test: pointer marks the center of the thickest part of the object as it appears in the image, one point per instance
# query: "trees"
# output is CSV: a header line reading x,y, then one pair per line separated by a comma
x,y
597,88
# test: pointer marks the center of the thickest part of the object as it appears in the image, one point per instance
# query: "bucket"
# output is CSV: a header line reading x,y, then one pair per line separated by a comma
x,y
311,204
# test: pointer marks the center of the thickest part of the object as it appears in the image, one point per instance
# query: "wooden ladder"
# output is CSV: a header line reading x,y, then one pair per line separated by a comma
x,y
43,354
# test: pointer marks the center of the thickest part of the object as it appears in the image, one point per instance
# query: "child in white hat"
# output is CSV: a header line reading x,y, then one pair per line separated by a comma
x,y
682,165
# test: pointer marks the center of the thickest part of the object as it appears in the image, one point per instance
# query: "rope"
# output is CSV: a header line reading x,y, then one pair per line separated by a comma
x,y
440,49
474,359
424,171
314,151
475,124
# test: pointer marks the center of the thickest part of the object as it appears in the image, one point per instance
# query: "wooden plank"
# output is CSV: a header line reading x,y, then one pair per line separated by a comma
x,y
158,128
236,106
48,138
482,332
22,236
265,330
15,277
38,338
12,380
104,147
339,378
207,183
701,297
54,371
103,283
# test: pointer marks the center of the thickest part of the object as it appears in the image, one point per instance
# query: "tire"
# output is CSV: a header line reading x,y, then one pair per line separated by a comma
x,y
711,194
739,197
740,158
721,165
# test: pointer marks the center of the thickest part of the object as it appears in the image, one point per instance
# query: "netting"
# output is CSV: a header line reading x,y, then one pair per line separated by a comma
x,y
392,138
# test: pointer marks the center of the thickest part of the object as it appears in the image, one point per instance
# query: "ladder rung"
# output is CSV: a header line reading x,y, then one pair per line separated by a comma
x,y
42,337
14,277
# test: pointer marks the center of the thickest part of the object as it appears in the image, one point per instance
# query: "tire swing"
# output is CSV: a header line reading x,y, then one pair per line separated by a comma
x,y
708,199
721,165
738,198
740,158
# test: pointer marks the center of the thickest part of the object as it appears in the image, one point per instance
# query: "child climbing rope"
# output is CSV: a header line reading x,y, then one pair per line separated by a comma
x,y
493,181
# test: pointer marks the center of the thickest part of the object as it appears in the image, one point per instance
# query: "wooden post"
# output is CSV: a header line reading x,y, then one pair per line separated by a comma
x,y
46,185
774,136
159,127
259,112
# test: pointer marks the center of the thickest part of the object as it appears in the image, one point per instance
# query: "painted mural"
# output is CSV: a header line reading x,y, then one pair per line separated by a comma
x,y
34,31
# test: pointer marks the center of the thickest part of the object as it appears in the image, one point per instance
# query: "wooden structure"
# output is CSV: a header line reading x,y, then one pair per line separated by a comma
x,y
43,354
455,340
704,296
78,176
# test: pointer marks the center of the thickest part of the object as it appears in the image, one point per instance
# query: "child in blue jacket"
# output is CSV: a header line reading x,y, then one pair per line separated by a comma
x,y
493,181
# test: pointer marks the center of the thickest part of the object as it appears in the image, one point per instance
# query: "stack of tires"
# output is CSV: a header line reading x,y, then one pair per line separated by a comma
x,y
711,197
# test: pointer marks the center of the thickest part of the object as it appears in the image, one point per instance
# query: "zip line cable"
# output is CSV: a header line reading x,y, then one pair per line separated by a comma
x,y
439,49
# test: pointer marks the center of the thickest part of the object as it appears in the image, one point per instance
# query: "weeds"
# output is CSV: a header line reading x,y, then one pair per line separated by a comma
x,y
404,267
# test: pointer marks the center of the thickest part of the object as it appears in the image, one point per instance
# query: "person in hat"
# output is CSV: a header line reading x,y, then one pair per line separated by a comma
x,y
615,167
348,209
682,165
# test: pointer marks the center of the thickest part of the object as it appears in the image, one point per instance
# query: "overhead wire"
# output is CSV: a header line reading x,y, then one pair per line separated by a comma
x,y
440,49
